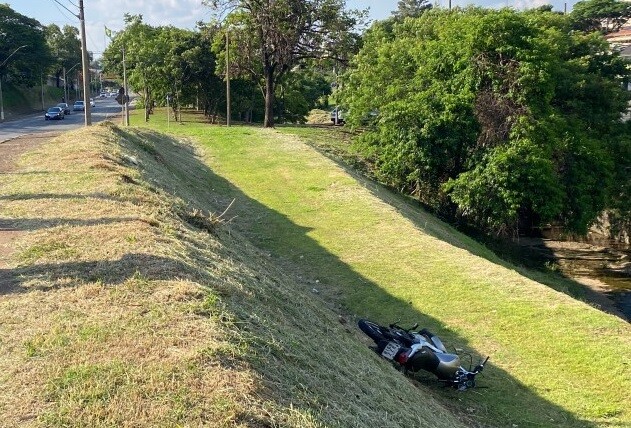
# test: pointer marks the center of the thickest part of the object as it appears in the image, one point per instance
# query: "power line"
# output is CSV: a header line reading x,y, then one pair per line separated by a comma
x,y
60,4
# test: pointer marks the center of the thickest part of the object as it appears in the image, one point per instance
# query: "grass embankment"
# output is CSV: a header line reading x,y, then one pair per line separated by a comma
x,y
131,304
555,360
20,100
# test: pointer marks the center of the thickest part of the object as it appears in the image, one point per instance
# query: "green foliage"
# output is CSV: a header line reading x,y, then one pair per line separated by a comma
x,y
507,125
24,54
65,47
166,60
267,40
511,180
300,92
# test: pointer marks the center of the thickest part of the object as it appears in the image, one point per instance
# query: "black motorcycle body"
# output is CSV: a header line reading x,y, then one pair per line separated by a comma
x,y
421,350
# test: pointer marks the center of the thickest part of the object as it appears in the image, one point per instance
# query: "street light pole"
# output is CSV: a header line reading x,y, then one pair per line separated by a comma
x,y
66,96
1,96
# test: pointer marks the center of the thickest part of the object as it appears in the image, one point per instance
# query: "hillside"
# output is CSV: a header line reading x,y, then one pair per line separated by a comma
x,y
19,100
199,280
130,302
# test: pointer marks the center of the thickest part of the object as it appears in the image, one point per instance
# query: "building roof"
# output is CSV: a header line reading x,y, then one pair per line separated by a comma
x,y
621,36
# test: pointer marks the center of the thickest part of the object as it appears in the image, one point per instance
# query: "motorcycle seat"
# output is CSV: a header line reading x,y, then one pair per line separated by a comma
x,y
447,358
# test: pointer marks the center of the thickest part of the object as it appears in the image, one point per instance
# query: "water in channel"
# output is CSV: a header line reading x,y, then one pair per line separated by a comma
x,y
603,267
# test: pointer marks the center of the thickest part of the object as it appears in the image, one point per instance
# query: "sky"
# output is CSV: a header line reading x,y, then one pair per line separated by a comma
x,y
186,13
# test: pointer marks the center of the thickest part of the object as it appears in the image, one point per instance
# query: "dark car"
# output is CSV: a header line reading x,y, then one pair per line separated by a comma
x,y
65,107
54,113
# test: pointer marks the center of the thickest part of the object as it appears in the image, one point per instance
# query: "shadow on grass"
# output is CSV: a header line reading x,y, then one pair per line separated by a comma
x,y
265,229
58,196
30,224
107,272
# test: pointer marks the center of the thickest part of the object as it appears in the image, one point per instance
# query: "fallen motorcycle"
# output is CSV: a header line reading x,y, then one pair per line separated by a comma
x,y
420,350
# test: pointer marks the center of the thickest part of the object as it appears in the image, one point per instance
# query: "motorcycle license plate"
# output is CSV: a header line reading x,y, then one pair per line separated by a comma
x,y
390,351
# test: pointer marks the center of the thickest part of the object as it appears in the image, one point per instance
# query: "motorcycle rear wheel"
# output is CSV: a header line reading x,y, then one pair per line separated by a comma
x,y
372,330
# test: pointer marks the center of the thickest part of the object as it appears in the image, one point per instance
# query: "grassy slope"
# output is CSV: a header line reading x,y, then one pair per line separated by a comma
x,y
128,312
556,361
21,100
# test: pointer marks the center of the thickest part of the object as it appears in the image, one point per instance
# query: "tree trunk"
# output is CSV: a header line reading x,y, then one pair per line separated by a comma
x,y
147,104
269,97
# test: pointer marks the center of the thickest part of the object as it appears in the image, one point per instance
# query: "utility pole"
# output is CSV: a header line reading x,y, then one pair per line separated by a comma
x,y
125,97
227,77
86,68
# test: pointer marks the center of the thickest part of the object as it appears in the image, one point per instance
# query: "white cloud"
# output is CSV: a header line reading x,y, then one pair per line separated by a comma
x,y
156,12
110,13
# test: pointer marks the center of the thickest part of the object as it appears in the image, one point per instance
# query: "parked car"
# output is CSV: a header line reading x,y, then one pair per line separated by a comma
x,y
65,107
337,116
54,113
103,95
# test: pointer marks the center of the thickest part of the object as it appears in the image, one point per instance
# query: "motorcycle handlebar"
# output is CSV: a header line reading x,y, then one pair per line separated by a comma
x,y
480,367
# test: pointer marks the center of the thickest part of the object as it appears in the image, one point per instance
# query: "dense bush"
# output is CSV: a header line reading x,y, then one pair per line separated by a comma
x,y
506,119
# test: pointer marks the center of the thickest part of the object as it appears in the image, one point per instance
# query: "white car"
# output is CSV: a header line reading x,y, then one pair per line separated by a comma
x,y
78,106
337,116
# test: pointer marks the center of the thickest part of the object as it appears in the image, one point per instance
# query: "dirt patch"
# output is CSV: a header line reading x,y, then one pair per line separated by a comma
x,y
10,152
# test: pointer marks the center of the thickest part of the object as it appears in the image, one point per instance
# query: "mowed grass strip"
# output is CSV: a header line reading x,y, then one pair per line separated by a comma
x,y
134,303
555,361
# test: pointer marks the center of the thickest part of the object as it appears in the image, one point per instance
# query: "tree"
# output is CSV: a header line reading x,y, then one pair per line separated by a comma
x,y
511,124
163,61
411,8
27,64
282,33
65,48
299,92
605,16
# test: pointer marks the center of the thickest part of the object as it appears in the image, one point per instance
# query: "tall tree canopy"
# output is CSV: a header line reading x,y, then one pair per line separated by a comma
x,y
279,34
65,47
605,16
411,8
27,65
511,124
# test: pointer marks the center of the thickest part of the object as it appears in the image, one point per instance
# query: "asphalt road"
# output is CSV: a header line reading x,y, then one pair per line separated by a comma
x,y
106,108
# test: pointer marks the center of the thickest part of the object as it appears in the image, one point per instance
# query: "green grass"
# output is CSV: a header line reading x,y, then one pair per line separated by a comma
x,y
555,361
